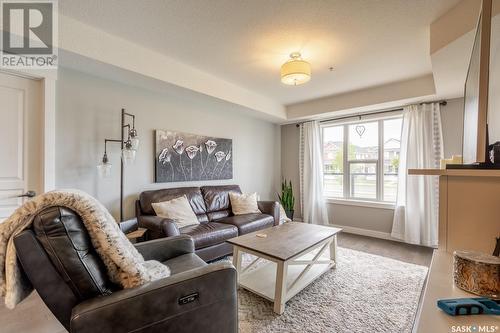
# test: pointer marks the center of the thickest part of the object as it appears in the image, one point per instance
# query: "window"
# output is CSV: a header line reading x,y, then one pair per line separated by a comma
x,y
361,159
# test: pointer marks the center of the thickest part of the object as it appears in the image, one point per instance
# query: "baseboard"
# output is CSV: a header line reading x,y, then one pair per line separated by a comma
x,y
365,232
361,231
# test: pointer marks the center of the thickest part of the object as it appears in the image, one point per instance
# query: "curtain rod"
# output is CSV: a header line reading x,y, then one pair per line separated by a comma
x,y
369,113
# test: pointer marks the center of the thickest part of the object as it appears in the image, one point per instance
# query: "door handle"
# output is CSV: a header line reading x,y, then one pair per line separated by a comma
x,y
28,194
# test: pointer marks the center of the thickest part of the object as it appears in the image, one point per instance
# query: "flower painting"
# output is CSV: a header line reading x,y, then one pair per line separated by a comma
x,y
184,157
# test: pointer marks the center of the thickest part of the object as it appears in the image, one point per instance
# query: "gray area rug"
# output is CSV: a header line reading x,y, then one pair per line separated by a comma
x,y
364,293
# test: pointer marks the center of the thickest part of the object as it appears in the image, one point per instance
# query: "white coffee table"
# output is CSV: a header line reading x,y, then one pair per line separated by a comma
x,y
296,254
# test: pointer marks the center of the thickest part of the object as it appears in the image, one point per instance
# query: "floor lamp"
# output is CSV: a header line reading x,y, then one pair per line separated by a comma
x,y
129,142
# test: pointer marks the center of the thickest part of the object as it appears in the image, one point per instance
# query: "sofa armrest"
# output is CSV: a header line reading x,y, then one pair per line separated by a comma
x,y
165,248
162,305
159,225
272,208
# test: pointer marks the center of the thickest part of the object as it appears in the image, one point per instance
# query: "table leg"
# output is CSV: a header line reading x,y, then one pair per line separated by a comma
x,y
280,290
333,250
237,257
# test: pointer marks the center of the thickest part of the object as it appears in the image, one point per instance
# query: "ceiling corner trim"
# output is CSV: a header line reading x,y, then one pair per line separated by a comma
x,y
422,86
457,22
106,48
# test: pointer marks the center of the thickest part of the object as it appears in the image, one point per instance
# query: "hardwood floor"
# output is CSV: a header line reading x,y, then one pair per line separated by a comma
x,y
32,316
413,254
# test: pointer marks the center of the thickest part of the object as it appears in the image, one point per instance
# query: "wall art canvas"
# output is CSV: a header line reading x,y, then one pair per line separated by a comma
x,y
190,157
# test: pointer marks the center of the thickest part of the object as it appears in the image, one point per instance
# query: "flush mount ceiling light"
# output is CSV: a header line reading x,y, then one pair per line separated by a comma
x,y
296,70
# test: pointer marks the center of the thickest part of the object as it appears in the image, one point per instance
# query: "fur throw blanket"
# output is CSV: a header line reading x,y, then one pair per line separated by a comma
x,y
124,264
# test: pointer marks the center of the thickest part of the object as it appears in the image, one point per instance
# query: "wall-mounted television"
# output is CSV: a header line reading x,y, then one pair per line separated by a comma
x,y
494,84
475,138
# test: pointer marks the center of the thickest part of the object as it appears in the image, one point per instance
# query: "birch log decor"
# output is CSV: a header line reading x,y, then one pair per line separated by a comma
x,y
477,273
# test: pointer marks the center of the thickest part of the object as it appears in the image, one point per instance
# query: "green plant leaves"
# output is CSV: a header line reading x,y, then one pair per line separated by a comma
x,y
287,198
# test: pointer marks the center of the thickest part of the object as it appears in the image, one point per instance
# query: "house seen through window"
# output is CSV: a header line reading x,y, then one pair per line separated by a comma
x,y
361,159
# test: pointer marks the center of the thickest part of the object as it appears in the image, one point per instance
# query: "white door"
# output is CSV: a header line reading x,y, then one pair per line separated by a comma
x,y
21,141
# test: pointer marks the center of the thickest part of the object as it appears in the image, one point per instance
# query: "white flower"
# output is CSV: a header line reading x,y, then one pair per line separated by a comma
x,y
179,147
219,156
191,151
165,156
211,145
228,156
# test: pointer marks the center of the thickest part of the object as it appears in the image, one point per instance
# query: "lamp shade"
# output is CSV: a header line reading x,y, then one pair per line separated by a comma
x,y
104,169
296,70
135,142
128,156
134,138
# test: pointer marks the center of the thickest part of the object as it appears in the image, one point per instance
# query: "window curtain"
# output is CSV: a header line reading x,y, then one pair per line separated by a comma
x,y
311,174
417,206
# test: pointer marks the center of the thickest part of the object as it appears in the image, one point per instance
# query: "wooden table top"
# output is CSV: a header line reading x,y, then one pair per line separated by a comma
x,y
286,240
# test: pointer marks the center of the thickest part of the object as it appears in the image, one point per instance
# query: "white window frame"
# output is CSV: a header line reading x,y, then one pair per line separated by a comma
x,y
378,202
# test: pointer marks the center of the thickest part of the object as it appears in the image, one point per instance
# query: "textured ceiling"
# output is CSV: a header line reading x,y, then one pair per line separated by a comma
x,y
368,42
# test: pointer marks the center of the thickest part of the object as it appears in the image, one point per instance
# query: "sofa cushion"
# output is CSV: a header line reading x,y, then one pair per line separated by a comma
x,y
217,200
208,234
242,204
249,222
66,241
179,210
193,195
184,263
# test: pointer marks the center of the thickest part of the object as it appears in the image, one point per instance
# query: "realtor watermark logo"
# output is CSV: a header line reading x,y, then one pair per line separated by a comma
x,y
29,31
474,329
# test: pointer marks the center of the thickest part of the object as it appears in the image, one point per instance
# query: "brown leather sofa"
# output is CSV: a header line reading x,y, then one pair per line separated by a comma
x,y
212,207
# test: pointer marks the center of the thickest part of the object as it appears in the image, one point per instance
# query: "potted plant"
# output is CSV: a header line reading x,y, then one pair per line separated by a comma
x,y
286,198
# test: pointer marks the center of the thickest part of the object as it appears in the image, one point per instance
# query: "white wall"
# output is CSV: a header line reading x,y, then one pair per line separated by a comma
x,y
369,218
88,110
383,96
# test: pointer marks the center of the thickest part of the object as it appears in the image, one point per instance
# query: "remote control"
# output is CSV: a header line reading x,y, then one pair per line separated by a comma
x,y
469,306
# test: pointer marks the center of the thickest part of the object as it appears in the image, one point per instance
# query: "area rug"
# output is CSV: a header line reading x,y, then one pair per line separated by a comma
x,y
364,293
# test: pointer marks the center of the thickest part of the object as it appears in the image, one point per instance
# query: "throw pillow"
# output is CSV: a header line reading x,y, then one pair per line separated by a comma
x,y
243,203
177,209
283,217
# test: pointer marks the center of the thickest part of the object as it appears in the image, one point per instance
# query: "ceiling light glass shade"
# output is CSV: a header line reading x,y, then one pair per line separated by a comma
x,y
128,156
104,170
296,70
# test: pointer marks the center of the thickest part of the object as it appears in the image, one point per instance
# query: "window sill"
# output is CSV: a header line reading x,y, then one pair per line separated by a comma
x,y
361,203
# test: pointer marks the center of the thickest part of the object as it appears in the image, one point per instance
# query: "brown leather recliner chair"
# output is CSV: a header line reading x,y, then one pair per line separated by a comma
x,y
212,207
58,258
